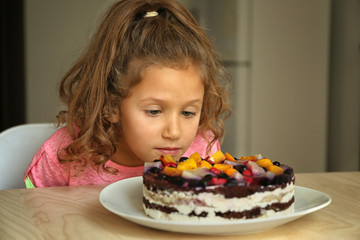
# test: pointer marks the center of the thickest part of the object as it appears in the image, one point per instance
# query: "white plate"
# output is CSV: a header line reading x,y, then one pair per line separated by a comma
x,y
124,198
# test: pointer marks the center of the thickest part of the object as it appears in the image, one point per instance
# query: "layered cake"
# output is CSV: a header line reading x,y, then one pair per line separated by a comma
x,y
217,188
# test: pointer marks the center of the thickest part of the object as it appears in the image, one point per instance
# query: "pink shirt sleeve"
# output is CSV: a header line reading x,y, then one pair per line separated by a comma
x,y
45,170
200,145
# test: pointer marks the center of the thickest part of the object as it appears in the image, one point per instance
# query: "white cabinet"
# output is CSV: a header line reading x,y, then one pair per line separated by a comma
x,y
280,67
289,82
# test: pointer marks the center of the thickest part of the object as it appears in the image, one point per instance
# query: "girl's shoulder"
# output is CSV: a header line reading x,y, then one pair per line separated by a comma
x,y
50,148
45,169
60,139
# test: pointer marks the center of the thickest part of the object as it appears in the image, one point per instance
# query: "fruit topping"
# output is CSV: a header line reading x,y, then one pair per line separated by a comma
x,y
276,163
205,164
240,168
171,171
255,168
231,182
249,158
215,171
229,157
217,157
187,165
218,181
275,169
149,165
171,164
265,162
166,159
219,168
183,159
237,176
270,176
233,163
246,173
230,171
196,156
197,173
223,175
222,167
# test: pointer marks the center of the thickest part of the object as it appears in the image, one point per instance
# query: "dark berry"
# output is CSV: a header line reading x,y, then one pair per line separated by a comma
x,y
240,168
183,159
194,183
154,170
178,181
207,178
203,183
162,176
289,171
223,175
276,163
282,178
264,181
231,182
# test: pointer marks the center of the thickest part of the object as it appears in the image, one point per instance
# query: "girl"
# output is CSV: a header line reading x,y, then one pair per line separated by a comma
x,y
149,83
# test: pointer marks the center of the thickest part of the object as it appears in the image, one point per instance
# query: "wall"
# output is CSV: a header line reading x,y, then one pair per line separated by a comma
x,y
55,34
281,50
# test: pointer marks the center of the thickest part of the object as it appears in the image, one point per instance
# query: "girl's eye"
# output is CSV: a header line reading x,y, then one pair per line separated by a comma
x,y
153,112
188,114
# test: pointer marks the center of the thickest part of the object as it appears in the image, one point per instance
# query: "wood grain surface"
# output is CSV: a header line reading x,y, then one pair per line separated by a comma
x,y
76,213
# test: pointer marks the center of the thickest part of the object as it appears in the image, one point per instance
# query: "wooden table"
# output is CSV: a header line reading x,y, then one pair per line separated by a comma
x,y
76,213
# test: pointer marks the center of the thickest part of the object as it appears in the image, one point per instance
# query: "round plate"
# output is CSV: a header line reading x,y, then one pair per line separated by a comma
x,y
124,198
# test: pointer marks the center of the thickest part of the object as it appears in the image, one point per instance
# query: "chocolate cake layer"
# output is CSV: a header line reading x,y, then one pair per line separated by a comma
x,y
248,214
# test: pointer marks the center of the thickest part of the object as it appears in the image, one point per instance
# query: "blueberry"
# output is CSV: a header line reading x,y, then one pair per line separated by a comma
x,y
154,170
162,176
282,178
194,183
178,181
223,175
264,181
240,168
183,159
276,163
203,183
231,182
207,178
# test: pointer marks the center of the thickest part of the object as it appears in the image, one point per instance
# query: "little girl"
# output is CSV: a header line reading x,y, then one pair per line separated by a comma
x,y
150,83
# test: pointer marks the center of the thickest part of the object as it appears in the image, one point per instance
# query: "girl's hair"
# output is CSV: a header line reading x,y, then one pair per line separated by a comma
x,y
125,43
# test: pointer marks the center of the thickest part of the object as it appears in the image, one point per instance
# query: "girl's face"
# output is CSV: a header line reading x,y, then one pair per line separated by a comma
x,y
161,114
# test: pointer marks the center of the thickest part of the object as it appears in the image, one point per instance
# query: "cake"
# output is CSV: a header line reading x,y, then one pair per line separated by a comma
x,y
217,188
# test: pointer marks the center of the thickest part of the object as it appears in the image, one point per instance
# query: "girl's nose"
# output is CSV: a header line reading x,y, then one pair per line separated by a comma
x,y
172,129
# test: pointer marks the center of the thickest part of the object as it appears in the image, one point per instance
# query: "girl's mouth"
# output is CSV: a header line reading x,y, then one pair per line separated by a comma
x,y
169,151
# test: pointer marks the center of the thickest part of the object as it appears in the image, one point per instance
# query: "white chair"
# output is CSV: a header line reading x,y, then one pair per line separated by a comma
x,y
17,148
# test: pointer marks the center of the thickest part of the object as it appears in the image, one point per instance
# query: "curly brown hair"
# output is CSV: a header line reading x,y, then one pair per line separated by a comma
x,y
125,43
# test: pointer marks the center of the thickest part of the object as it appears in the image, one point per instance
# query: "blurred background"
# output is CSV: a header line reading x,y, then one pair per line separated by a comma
x,y
295,66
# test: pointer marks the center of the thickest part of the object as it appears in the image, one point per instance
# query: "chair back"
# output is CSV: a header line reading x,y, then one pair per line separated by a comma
x,y
17,148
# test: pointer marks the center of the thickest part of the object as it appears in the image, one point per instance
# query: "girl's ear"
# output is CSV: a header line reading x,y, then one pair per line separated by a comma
x,y
113,118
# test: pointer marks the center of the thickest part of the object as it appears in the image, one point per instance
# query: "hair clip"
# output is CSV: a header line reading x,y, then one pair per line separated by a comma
x,y
151,14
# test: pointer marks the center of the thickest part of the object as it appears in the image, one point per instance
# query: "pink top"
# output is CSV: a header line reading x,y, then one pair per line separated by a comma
x,y
46,171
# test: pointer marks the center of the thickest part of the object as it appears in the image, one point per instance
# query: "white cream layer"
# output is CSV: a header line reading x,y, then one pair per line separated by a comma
x,y
187,202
